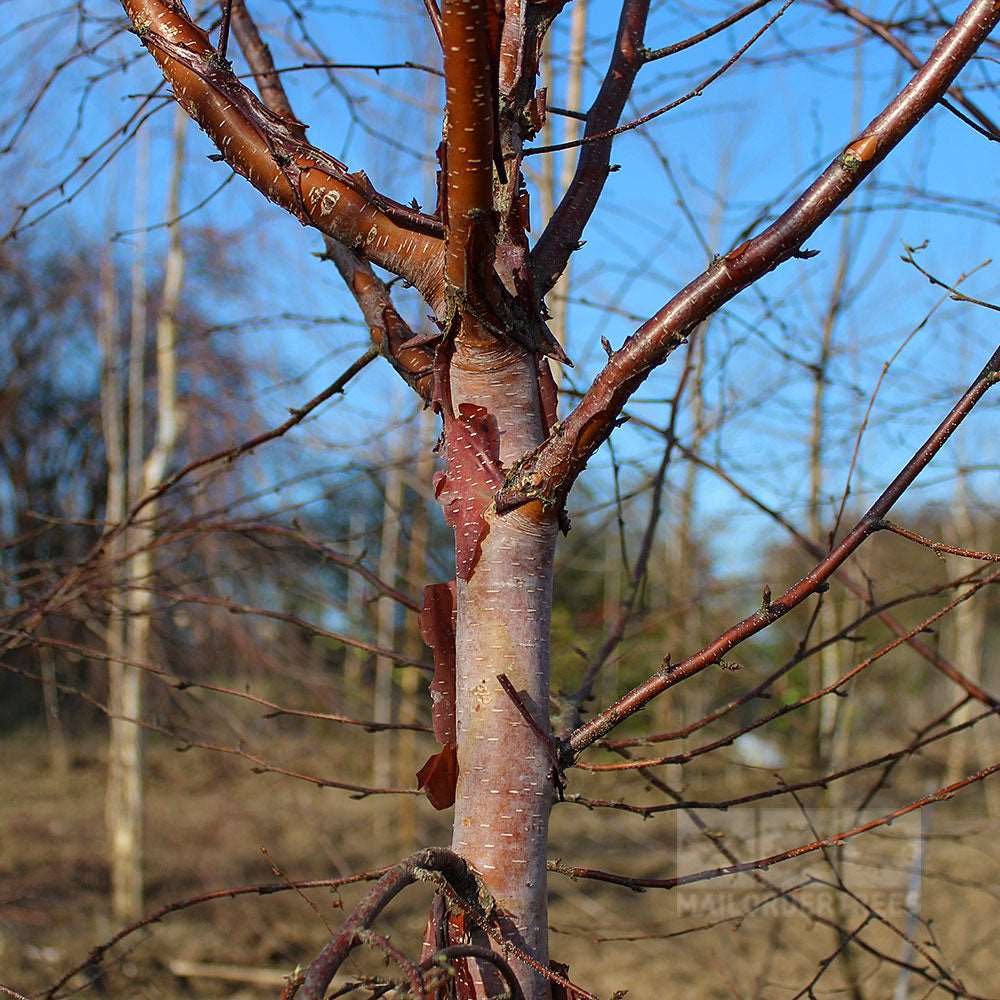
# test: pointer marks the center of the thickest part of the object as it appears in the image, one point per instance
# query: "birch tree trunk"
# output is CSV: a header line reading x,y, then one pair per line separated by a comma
x,y
504,612
125,778
114,447
486,372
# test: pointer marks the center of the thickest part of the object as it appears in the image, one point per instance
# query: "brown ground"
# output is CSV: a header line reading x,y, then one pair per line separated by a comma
x,y
210,817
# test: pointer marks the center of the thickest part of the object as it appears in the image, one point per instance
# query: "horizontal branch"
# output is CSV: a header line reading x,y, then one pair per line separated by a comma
x,y
260,889
823,781
942,548
762,864
650,55
260,765
547,473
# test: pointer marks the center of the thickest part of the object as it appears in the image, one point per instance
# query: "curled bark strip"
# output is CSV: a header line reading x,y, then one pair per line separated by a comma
x,y
547,473
438,778
271,151
465,489
437,629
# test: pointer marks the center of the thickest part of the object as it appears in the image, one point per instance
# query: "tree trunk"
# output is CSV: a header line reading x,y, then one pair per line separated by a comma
x,y
505,783
125,778
385,632
114,446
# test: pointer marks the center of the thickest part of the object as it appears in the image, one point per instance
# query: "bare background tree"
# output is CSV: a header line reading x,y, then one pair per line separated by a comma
x,y
221,519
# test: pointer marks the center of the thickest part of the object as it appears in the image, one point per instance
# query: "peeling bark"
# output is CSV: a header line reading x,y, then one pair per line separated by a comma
x,y
504,611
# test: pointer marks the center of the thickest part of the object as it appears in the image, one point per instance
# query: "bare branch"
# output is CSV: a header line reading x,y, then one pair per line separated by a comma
x,y
547,473
435,17
388,329
563,232
271,151
878,28
668,50
261,889
810,584
696,91
261,62
762,864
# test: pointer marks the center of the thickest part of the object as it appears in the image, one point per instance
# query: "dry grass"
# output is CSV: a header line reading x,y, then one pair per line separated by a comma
x,y
209,818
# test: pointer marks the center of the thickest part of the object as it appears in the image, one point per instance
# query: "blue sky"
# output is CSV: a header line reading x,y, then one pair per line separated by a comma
x,y
754,138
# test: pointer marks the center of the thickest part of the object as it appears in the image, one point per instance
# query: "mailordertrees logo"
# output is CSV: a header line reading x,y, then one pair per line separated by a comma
x,y
791,861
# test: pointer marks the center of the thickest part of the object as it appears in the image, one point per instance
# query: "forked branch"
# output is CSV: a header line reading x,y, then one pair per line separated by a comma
x,y
271,151
809,585
432,864
388,329
562,234
547,473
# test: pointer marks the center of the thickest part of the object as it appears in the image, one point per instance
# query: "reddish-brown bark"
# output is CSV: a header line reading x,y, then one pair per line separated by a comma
x,y
504,610
272,153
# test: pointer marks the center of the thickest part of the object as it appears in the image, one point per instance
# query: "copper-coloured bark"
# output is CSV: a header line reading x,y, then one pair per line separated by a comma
x,y
258,56
547,474
504,609
521,112
469,139
437,629
439,776
271,151
412,357
472,475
